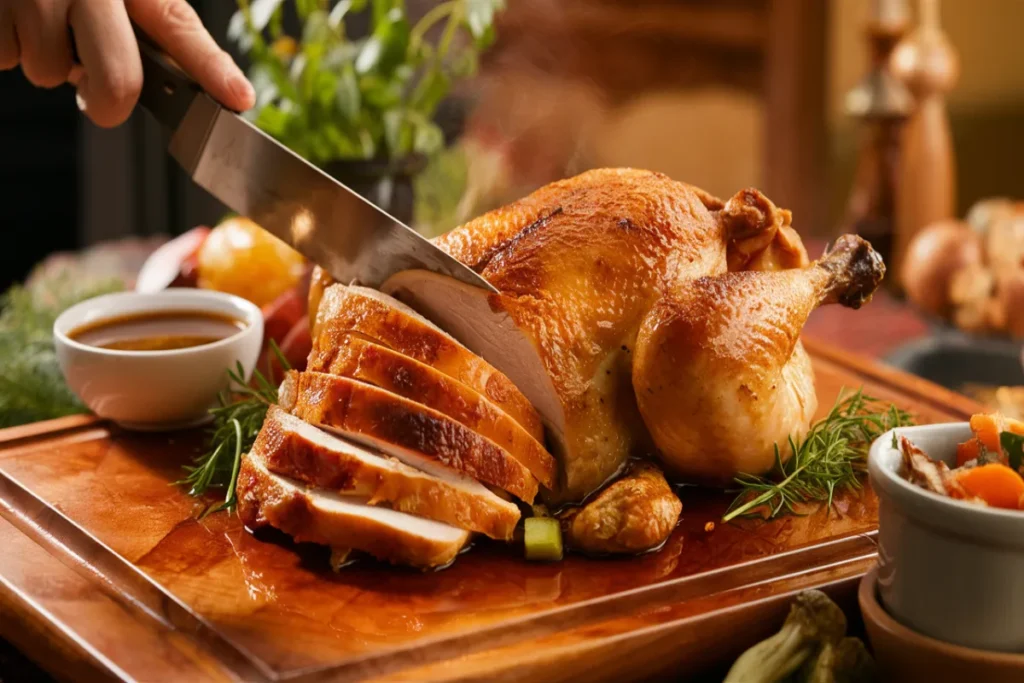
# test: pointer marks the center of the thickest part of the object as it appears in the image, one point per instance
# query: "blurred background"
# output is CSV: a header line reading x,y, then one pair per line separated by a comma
x,y
897,119
720,93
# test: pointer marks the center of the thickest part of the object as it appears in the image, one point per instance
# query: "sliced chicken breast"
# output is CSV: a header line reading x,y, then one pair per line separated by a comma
x,y
366,361
469,315
345,309
415,434
293,448
317,516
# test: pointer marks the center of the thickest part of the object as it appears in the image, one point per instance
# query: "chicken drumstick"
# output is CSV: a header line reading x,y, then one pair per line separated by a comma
x,y
719,371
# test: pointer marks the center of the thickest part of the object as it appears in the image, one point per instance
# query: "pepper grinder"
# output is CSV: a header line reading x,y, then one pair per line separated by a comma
x,y
882,103
926,62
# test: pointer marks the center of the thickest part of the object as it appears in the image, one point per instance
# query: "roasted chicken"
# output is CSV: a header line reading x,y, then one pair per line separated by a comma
x,y
635,316
584,264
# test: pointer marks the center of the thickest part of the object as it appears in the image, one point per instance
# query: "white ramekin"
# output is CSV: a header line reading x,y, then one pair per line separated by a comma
x,y
947,569
156,390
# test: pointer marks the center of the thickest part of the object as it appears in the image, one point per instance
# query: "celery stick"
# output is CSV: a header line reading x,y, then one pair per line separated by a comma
x,y
543,539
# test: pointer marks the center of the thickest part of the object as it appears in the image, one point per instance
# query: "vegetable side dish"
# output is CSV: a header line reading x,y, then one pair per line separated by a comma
x,y
988,466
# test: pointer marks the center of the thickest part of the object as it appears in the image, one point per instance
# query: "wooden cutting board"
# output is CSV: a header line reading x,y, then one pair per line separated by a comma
x,y
106,573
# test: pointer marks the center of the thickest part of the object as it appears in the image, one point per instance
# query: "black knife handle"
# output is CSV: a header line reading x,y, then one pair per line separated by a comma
x,y
167,91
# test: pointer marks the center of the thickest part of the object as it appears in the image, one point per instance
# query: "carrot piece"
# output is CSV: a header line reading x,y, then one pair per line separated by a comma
x,y
967,451
1015,426
986,429
996,484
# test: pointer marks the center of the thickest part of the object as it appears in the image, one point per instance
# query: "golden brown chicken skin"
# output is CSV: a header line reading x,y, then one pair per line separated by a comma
x,y
720,373
581,262
634,514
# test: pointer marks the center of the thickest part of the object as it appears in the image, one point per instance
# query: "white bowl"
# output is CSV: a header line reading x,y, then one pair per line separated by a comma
x,y
947,569
156,390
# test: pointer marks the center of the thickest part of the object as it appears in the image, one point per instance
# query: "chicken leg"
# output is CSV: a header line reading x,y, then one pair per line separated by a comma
x,y
719,372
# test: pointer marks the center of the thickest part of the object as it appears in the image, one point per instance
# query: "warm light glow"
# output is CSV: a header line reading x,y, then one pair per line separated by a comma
x,y
302,226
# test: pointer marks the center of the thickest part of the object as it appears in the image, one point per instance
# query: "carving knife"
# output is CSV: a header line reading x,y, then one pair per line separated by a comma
x,y
260,178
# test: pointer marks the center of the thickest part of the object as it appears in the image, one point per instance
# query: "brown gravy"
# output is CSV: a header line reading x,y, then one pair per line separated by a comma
x,y
157,330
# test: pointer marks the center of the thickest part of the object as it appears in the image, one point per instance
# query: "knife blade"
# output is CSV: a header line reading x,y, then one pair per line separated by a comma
x,y
258,177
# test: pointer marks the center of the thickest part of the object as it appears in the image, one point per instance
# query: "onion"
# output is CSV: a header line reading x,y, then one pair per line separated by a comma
x,y
933,257
1010,293
986,211
971,292
1004,244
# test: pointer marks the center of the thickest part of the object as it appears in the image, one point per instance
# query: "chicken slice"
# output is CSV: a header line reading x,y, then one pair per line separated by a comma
x,y
345,309
317,516
415,434
368,362
636,513
719,371
290,447
469,315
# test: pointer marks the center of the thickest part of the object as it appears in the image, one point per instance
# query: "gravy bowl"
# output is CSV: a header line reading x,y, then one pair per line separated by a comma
x,y
950,570
156,390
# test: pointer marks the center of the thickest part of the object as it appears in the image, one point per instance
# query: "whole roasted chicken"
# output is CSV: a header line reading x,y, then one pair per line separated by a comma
x,y
643,318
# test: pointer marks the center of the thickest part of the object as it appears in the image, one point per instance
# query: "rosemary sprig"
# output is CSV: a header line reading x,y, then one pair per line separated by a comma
x,y
236,422
832,456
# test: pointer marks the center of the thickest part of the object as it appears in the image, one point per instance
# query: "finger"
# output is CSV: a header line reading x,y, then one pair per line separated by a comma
x,y
10,51
43,39
109,54
174,25
76,77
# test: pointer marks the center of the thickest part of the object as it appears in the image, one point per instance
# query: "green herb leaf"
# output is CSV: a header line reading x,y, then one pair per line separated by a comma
x,y
347,93
328,97
480,19
430,91
396,132
317,32
428,139
261,12
272,120
386,47
336,18
831,457
32,387
305,7
381,8
236,422
369,55
1013,446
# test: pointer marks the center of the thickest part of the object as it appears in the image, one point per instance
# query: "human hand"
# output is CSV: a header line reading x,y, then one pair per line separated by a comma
x,y
34,34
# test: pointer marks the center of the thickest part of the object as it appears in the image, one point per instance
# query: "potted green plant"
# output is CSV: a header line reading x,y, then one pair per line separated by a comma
x,y
360,108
